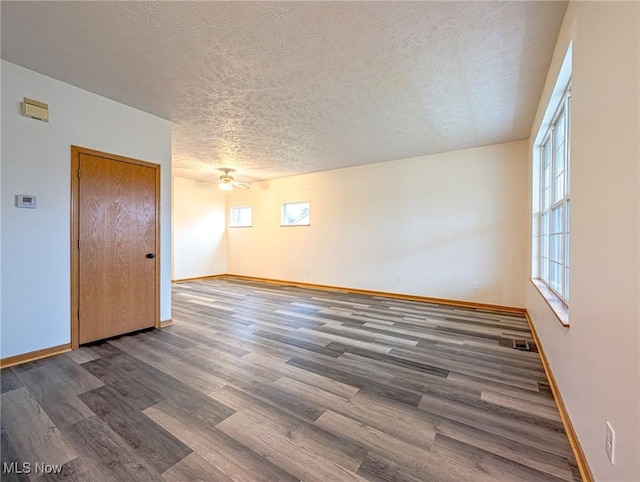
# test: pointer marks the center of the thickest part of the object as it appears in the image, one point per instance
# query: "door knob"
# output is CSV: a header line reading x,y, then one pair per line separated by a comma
x,y
151,255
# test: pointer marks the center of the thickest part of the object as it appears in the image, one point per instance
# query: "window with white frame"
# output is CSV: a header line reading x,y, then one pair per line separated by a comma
x,y
296,214
555,201
240,217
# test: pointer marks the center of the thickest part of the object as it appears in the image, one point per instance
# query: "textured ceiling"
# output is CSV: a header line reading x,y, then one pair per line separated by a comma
x,y
280,88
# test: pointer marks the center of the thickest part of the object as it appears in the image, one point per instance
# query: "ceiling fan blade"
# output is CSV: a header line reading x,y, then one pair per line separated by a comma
x,y
241,185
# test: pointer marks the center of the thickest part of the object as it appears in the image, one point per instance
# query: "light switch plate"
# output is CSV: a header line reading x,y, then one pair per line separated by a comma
x,y
610,443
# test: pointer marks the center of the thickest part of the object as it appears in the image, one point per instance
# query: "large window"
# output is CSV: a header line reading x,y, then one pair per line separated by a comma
x,y
295,214
555,201
240,217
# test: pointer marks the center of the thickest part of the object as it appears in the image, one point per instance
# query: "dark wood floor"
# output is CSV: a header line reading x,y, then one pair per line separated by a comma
x,y
259,382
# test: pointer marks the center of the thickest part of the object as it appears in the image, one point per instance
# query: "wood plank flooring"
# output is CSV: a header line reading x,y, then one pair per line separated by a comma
x,y
258,382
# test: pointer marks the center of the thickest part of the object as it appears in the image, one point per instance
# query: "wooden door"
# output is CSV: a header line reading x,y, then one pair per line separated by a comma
x,y
117,230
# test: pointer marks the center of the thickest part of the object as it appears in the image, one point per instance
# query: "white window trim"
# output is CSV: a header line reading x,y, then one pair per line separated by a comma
x,y
549,141
250,225
559,99
283,222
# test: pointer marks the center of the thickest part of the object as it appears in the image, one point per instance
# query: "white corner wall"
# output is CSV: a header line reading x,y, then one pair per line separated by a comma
x,y
439,222
596,362
1,68
199,229
36,159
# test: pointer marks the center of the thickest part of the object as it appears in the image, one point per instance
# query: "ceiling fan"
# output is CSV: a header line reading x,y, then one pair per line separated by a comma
x,y
226,182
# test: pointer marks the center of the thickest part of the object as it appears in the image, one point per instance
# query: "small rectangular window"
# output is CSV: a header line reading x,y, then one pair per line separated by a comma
x,y
240,217
295,214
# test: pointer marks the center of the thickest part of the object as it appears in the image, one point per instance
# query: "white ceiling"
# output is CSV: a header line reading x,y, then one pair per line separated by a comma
x,y
275,88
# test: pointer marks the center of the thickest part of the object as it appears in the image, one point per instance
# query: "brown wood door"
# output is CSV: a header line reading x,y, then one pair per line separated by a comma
x,y
117,224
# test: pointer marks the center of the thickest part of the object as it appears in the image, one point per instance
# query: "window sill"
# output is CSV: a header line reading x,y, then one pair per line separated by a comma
x,y
559,308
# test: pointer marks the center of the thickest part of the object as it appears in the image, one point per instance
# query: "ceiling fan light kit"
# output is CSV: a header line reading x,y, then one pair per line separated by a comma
x,y
226,182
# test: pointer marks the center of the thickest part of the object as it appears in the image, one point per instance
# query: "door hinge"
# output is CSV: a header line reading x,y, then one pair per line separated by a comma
x,y
78,314
78,244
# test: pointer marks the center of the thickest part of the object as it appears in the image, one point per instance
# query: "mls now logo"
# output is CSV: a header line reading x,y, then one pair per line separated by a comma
x,y
28,468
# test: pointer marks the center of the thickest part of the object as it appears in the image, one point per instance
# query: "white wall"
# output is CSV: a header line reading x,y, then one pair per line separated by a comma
x,y
439,222
199,229
1,104
596,361
36,159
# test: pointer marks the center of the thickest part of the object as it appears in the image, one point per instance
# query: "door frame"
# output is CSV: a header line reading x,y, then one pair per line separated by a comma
x,y
76,151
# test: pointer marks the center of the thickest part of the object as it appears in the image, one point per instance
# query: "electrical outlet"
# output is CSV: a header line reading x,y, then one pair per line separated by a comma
x,y
398,278
476,285
610,443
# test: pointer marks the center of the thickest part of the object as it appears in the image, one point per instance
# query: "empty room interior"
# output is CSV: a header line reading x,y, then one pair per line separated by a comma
x,y
320,241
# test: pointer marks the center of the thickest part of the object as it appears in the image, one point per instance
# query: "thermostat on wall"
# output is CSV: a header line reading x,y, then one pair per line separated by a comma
x,y
26,201
35,109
